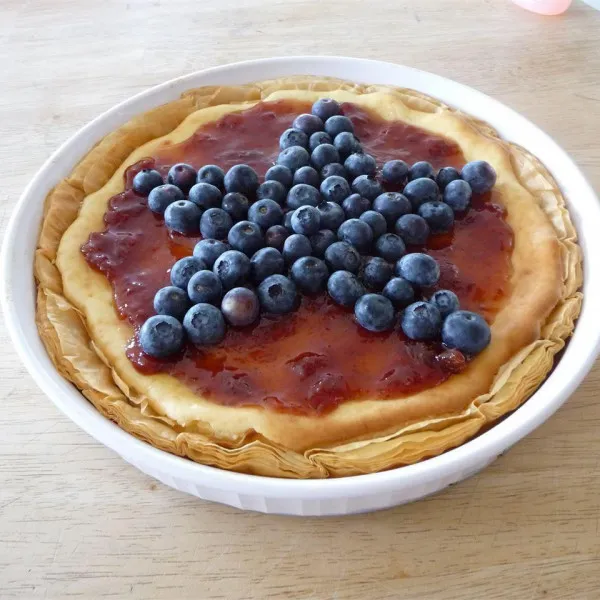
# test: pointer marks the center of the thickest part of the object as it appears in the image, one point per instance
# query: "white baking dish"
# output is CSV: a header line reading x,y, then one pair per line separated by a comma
x,y
316,497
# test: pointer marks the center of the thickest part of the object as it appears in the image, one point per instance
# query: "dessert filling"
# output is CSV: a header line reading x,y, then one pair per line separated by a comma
x,y
320,353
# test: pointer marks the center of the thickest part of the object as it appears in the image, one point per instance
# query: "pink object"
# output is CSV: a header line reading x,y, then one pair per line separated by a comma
x,y
544,7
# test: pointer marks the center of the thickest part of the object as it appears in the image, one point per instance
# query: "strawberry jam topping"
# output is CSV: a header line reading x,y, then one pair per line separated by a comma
x,y
311,360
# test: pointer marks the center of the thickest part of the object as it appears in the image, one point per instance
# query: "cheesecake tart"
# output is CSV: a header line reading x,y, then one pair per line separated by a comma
x,y
347,377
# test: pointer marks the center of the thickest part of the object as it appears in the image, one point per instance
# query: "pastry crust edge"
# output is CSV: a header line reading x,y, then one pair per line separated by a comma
x,y
63,329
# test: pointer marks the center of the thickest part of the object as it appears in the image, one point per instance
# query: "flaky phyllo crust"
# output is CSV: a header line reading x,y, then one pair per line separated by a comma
x,y
85,338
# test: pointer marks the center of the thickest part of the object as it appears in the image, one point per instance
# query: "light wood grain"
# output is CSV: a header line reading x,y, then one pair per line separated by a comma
x,y
75,521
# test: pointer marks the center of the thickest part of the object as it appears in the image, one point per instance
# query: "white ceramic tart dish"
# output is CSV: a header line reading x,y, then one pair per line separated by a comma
x,y
367,453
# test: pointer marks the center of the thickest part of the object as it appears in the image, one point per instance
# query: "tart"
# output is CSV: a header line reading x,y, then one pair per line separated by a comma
x,y
310,393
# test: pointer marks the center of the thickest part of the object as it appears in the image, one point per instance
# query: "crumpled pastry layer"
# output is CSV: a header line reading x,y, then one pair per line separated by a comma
x,y
363,437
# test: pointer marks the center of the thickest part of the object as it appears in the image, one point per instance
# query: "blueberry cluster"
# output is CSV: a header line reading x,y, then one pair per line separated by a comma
x,y
321,220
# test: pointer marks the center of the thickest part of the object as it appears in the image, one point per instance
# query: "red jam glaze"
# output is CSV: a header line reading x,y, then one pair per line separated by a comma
x,y
310,361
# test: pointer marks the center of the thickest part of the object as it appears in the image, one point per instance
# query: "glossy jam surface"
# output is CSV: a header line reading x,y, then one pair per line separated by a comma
x,y
311,360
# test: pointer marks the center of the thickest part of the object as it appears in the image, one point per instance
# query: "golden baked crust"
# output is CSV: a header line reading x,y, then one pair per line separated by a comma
x,y
85,338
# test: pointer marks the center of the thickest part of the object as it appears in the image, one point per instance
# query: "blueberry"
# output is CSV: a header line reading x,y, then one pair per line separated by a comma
x,y
445,301
324,108
183,269
281,174
287,221
183,216
232,268
275,236
338,123
215,223
374,312
266,262
355,205
265,213
360,164
480,175
419,269
308,176
376,272
161,336
392,205
466,331
303,195
163,195
205,286
439,216
335,189
321,240
399,291
183,176
211,174
204,325
421,169
421,321
247,237
345,288
309,124
242,179
332,215
240,307
324,154
341,256
293,158
172,301
293,137
277,294
347,144
395,172
445,176
390,247
376,221
208,250
296,246
357,233
310,274
367,186
420,191
457,195
318,138
236,205
146,180
205,196
413,229
306,220
332,169
272,190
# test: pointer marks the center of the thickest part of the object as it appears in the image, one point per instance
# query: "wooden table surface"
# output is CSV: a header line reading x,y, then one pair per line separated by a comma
x,y
76,521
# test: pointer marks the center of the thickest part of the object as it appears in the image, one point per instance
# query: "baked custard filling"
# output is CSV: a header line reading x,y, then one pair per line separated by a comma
x,y
313,359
